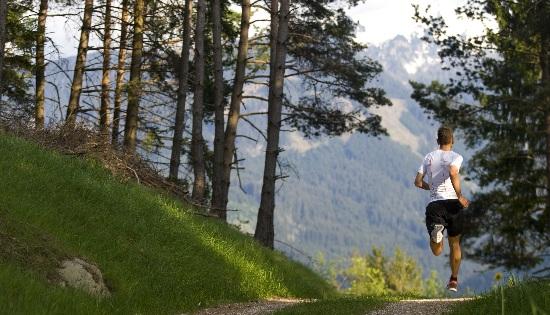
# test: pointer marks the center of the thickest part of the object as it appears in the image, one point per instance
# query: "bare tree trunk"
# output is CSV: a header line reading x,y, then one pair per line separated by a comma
x,y
217,177
197,143
40,65
234,108
545,80
105,80
120,71
265,232
134,90
76,86
179,124
3,38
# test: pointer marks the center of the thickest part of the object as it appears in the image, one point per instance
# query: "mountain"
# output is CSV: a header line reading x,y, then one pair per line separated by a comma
x,y
344,193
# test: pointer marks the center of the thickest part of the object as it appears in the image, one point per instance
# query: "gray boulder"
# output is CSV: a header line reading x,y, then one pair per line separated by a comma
x,y
77,273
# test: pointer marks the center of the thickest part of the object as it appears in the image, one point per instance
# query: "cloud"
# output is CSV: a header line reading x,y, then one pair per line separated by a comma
x,y
384,19
302,145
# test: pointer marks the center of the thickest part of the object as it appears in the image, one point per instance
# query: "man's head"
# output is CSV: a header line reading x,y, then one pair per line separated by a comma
x,y
445,136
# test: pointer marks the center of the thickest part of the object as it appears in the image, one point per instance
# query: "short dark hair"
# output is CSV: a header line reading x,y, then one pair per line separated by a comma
x,y
444,135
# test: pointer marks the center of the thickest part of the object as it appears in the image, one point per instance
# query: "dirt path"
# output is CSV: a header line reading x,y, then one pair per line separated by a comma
x,y
418,307
250,308
405,307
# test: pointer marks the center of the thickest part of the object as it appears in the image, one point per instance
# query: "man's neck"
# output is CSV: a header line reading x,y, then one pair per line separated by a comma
x,y
446,147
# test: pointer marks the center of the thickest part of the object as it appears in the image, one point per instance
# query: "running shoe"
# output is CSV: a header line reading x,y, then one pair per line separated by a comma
x,y
452,285
437,233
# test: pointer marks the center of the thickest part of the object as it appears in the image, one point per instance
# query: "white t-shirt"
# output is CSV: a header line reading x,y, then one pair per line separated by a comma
x,y
436,167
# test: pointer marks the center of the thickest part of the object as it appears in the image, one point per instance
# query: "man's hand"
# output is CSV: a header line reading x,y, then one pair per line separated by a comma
x,y
420,183
463,201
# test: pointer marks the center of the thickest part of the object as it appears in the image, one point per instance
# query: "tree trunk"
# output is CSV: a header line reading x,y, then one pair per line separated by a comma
x,y
134,89
545,82
76,86
197,143
3,38
179,124
217,188
265,233
105,80
120,71
234,108
40,65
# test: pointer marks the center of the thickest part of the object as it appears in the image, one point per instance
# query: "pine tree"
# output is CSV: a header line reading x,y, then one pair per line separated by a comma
x,y
183,78
326,58
105,81
121,64
134,89
219,106
40,64
3,37
197,141
265,232
220,202
76,86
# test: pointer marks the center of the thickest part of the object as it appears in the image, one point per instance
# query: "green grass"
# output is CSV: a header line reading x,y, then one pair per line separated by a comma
x,y
157,257
336,306
530,297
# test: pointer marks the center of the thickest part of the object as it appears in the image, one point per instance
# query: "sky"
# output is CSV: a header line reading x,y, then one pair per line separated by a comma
x,y
380,20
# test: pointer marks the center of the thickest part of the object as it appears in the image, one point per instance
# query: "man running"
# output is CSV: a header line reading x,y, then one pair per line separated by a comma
x,y
440,170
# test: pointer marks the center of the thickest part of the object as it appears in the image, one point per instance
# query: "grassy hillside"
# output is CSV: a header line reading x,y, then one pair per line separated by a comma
x,y
530,297
157,257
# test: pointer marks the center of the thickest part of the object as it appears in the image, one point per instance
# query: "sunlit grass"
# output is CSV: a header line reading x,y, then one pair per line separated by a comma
x,y
524,298
157,257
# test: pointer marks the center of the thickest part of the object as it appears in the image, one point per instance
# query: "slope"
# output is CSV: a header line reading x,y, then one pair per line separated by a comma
x,y
157,257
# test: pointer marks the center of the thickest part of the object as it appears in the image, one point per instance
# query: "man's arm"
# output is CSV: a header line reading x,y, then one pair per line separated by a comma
x,y
455,181
420,183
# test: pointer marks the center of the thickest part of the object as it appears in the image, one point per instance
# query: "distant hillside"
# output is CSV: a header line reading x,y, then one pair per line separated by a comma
x,y
157,257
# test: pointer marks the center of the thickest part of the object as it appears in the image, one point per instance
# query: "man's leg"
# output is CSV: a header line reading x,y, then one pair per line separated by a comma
x,y
435,225
456,254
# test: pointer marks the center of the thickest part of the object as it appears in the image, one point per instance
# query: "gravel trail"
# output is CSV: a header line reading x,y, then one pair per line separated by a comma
x,y
404,307
418,307
250,308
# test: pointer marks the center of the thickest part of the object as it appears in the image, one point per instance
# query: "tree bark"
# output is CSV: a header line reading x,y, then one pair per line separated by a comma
x,y
545,82
120,71
40,65
197,143
80,64
3,38
134,89
179,124
235,107
105,81
217,188
265,232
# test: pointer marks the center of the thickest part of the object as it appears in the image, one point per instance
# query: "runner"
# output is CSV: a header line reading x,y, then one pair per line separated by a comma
x,y
444,212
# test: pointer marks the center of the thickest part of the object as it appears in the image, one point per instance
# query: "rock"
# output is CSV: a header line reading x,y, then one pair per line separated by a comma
x,y
77,273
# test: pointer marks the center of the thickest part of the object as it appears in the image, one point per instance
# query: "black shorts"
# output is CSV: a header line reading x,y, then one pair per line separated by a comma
x,y
445,212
